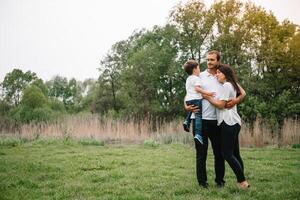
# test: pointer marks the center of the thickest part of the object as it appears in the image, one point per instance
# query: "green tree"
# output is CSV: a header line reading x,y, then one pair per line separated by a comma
x,y
154,76
34,98
40,84
14,83
107,88
69,92
194,23
34,107
57,87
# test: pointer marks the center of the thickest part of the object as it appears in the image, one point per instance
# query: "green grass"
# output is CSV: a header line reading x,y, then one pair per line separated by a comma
x,y
53,169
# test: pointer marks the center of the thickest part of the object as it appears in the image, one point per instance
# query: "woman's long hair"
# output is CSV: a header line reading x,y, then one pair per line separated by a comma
x,y
230,76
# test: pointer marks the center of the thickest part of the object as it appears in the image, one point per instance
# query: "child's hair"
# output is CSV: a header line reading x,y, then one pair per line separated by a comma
x,y
189,66
230,76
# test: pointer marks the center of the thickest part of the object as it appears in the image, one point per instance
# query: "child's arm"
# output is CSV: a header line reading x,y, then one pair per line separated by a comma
x,y
200,90
217,103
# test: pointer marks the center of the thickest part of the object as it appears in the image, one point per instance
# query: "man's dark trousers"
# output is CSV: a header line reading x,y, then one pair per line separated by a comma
x,y
212,131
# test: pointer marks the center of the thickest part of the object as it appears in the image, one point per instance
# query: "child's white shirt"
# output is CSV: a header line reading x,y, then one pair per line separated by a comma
x,y
190,85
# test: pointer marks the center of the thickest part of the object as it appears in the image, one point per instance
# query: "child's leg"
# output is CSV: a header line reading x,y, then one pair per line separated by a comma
x,y
187,122
188,118
198,123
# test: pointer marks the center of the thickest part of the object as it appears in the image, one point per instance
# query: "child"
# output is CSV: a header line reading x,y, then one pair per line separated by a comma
x,y
194,97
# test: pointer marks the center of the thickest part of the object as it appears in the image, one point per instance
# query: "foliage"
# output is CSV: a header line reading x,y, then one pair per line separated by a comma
x,y
71,92
194,23
34,107
151,143
14,83
34,98
91,142
143,75
150,75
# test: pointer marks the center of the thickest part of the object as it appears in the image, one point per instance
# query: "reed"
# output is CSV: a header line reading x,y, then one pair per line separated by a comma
x,y
110,130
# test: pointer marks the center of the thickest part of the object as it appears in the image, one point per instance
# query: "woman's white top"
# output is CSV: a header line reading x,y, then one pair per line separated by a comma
x,y
190,85
229,115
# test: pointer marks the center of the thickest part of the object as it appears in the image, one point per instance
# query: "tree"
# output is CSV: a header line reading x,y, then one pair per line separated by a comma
x,y
109,81
194,23
40,84
69,92
108,85
154,76
14,83
34,106
57,87
34,98
141,76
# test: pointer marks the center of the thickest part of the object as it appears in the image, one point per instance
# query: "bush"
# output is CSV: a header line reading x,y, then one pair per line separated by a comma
x,y
296,146
91,142
12,142
26,114
151,143
57,105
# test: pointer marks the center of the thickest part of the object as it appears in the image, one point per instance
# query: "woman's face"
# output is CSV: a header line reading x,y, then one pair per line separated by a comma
x,y
221,77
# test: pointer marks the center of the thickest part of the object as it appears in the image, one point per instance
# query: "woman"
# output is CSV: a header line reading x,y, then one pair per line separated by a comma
x,y
229,122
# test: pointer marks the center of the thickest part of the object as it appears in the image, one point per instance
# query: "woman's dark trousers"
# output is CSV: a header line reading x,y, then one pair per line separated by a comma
x,y
231,150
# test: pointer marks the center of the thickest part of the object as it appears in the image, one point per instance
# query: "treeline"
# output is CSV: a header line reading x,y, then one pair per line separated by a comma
x,y
142,76
25,98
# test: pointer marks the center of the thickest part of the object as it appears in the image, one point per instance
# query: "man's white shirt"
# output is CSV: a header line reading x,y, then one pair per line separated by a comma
x,y
209,83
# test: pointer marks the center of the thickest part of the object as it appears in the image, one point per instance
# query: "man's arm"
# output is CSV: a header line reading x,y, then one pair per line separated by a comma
x,y
237,100
190,108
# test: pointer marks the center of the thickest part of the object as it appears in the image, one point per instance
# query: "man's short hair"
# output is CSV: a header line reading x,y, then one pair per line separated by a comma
x,y
189,66
217,53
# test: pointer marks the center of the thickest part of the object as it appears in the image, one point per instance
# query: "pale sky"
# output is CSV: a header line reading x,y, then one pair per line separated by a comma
x,y
69,37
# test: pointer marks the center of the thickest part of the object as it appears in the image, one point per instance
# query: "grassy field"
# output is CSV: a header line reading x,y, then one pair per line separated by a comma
x,y
53,169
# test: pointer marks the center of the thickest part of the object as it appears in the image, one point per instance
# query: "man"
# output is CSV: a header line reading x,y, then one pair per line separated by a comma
x,y
209,124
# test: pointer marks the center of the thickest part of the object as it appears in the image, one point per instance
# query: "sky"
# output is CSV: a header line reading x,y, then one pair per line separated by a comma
x,y
70,37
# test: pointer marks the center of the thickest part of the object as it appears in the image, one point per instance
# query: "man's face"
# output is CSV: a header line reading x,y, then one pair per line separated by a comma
x,y
211,61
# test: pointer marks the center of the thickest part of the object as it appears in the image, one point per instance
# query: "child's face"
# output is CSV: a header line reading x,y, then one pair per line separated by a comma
x,y
196,70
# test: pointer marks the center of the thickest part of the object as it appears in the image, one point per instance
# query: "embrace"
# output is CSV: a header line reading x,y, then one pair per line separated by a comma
x,y
211,98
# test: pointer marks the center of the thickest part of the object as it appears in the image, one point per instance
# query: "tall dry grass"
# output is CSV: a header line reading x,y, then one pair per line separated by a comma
x,y
261,133
128,131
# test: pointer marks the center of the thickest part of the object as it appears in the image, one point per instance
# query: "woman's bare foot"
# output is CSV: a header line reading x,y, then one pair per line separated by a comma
x,y
244,185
